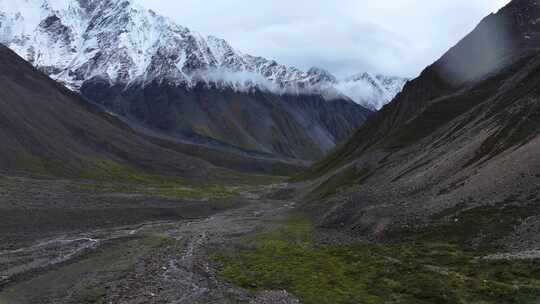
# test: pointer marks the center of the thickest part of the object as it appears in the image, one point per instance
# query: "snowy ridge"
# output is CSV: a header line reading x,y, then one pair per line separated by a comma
x,y
126,44
372,91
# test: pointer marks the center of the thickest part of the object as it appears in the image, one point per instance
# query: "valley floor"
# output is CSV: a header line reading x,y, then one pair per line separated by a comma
x,y
65,241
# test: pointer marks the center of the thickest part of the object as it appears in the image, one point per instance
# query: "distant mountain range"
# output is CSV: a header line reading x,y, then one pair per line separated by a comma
x,y
158,75
47,129
125,44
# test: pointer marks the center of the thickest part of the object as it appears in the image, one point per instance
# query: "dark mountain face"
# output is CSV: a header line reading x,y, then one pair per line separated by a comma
x,y
47,128
179,83
44,124
499,41
458,145
302,126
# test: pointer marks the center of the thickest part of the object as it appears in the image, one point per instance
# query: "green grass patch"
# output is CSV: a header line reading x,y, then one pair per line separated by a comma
x,y
111,177
227,177
31,164
168,189
478,227
37,166
109,171
106,176
414,272
158,241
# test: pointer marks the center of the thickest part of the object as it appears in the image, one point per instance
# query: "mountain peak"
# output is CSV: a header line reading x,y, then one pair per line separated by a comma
x,y
372,90
497,40
125,44
319,75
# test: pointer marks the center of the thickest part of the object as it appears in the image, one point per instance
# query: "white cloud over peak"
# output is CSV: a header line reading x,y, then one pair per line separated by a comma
x,y
398,37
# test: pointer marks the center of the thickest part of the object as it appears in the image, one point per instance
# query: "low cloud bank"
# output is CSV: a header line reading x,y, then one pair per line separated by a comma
x,y
359,91
363,93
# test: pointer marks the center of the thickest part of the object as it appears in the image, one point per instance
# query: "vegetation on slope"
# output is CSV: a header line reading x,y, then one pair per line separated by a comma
x,y
410,272
111,177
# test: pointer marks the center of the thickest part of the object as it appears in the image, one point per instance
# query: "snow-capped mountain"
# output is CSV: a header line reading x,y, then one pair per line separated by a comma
x,y
126,44
372,91
75,40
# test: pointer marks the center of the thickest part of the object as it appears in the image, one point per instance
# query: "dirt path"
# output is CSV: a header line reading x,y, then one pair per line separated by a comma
x,y
118,266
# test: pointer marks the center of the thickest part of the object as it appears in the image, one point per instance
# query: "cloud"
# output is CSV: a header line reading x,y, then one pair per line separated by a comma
x,y
240,81
362,93
359,91
398,37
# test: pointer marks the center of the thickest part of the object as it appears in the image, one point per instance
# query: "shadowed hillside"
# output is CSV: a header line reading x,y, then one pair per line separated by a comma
x,y
47,129
461,139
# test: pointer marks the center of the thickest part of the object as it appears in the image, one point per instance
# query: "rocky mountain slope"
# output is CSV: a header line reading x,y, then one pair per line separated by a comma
x,y
152,71
44,125
48,129
453,156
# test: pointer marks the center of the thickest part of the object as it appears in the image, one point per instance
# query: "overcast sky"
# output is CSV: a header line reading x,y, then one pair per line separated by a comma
x,y
396,37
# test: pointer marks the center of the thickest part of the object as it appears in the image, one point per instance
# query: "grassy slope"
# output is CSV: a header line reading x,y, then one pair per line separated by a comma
x,y
112,177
